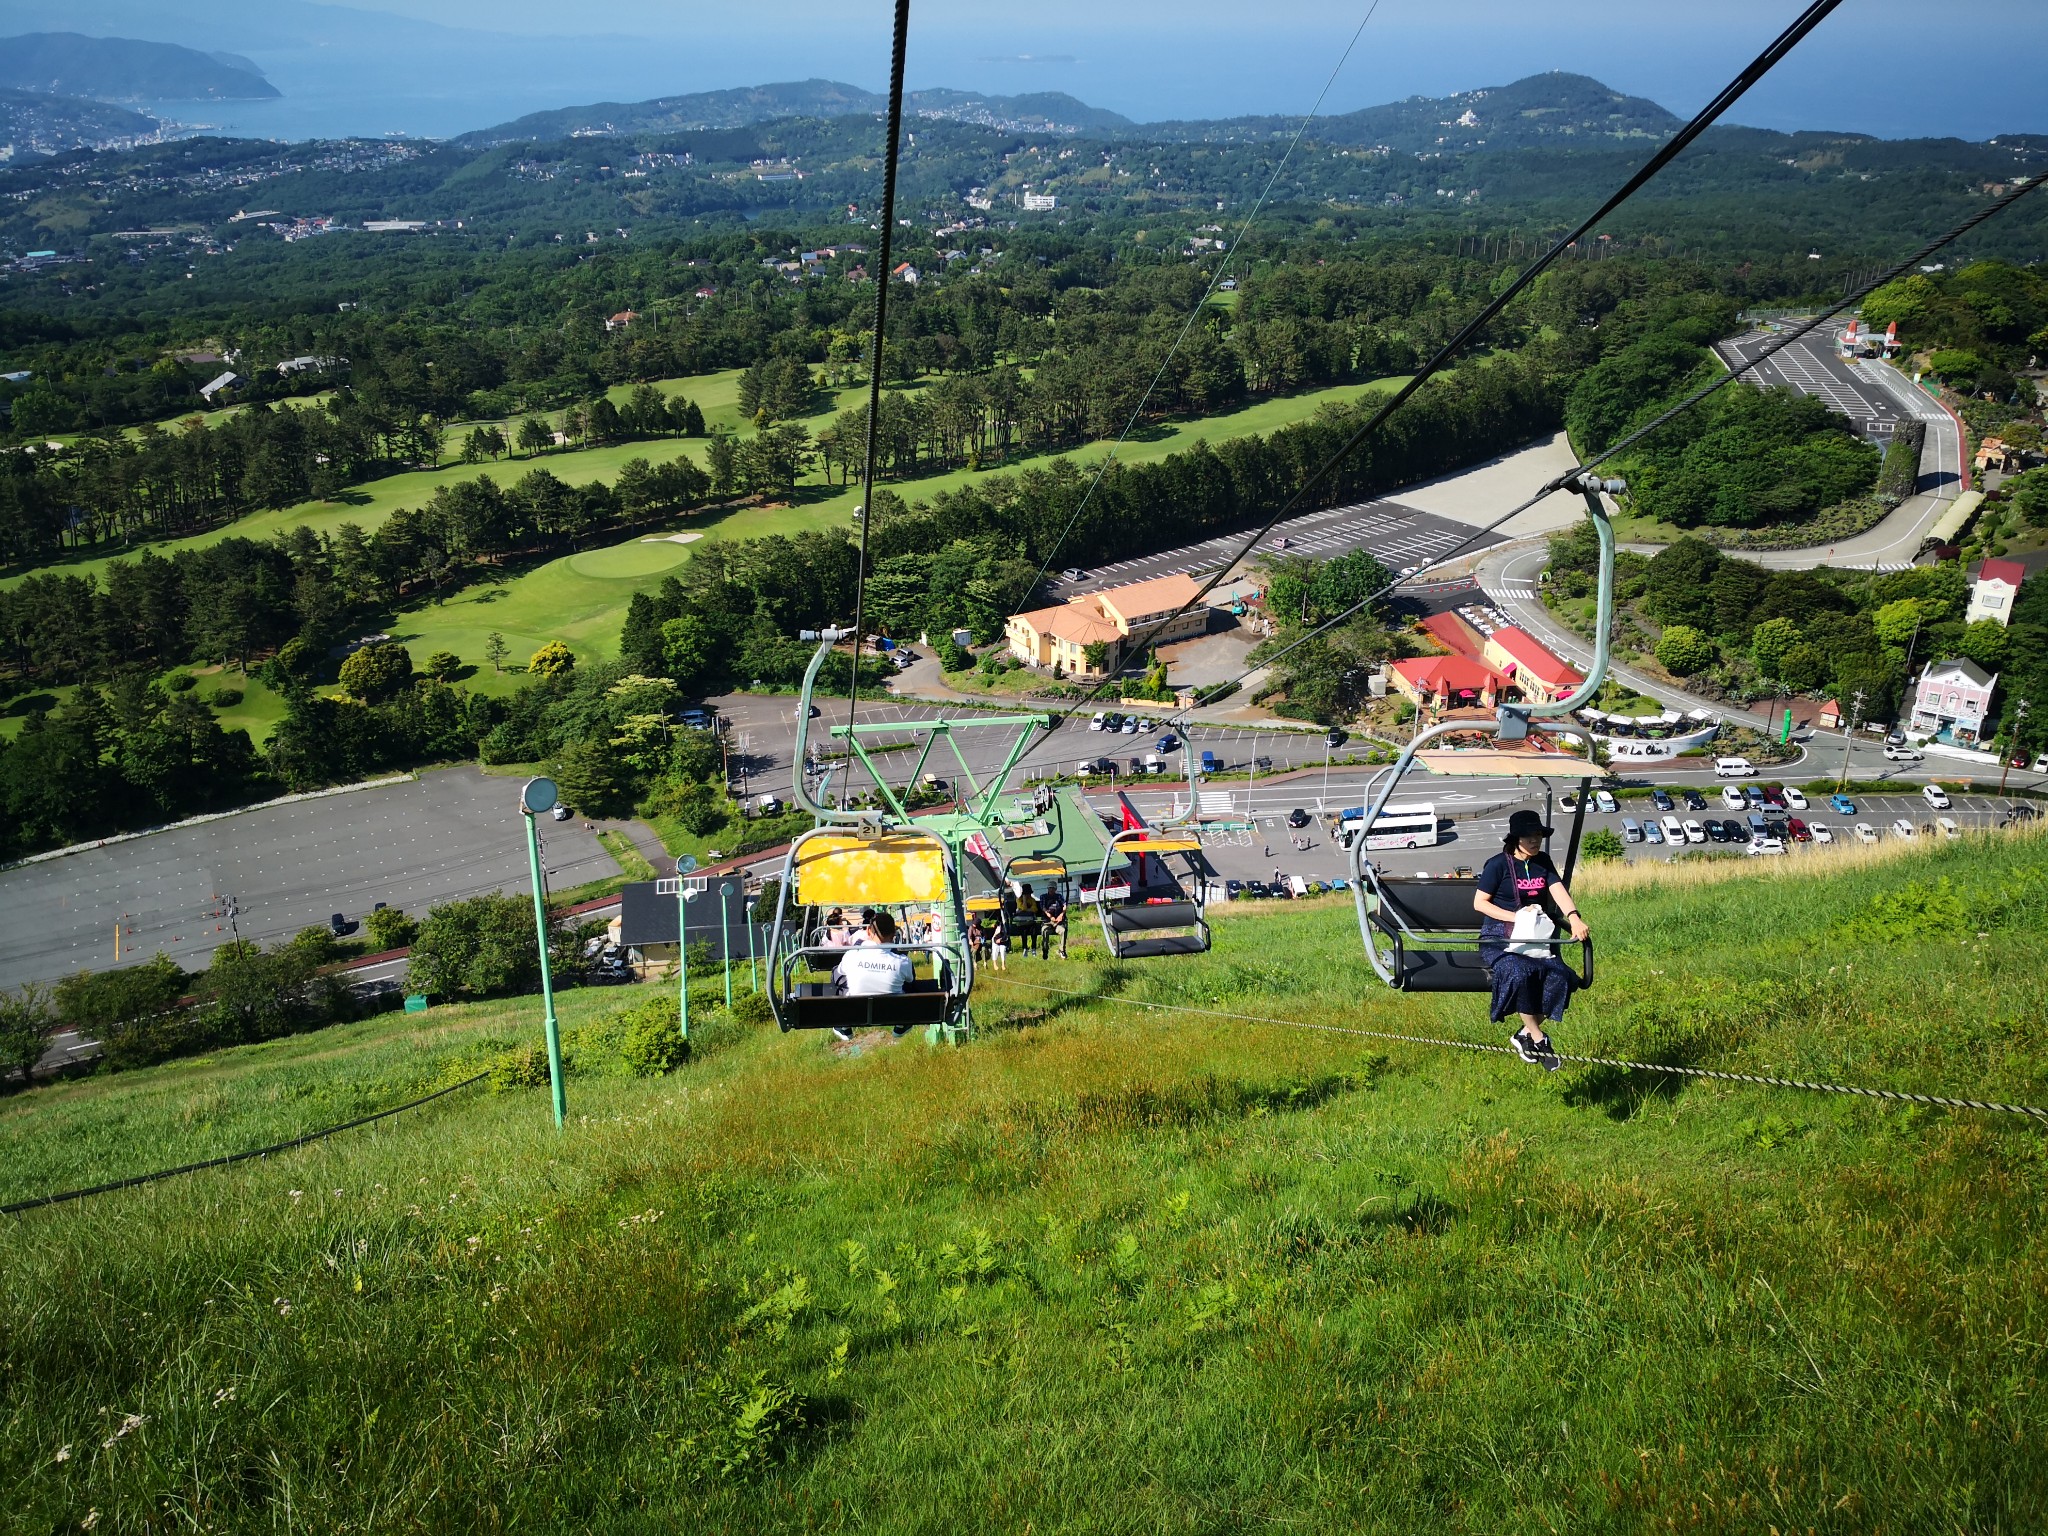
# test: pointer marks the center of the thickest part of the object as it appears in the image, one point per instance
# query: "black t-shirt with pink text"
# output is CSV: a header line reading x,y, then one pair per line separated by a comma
x,y
1514,883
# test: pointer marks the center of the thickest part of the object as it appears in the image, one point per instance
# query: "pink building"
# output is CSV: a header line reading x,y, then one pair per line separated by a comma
x,y
1953,700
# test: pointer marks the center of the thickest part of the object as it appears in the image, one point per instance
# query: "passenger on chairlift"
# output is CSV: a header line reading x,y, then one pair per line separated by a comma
x,y
870,969
1053,907
1521,899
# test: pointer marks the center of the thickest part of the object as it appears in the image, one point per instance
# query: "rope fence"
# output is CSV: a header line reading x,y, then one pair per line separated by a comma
x,y
237,1157
1893,1095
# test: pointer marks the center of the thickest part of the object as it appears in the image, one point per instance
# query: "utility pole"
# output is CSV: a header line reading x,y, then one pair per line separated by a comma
x,y
1849,741
2013,742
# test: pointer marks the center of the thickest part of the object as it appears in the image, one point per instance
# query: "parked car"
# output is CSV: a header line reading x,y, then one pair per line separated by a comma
x,y
1112,721
1795,797
2018,811
340,926
1232,889
1694,800
1766,845
1865,832
1633,831
1211,763
1130,725
1662,800
1935,796
1694,832
1901,753
1800,832
1257,890
1297,817
1902,828
1947,826
1095,720
1674,829
1754,796
1169,742
1773,794
1569,801
1843,804
1732,798
1822,832
1603,802
1717,831
561,813
1071,574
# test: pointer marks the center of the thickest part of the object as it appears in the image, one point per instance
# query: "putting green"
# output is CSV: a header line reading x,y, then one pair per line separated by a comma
x,y
626,560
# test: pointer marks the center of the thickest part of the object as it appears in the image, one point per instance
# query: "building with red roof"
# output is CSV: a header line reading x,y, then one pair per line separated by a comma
x,y
1447,682
1452,633
1524,661
1992,592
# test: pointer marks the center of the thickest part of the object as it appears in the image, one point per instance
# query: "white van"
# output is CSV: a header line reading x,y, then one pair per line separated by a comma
x,y
1935,796
1630,832
1731,798
1674,829
767,805
1734,768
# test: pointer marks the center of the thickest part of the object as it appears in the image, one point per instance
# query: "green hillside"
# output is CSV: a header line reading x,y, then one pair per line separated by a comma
x,y
1109,1268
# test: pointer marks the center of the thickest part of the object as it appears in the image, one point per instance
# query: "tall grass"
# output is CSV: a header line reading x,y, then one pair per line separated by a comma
x,y
1110,1269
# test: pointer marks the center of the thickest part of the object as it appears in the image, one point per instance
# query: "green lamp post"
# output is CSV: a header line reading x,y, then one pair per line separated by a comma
x,y
537,798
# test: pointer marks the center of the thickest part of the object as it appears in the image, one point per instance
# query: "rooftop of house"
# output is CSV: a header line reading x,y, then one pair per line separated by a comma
x,y
2011,572
1456,673
1078,623
1534,659
1163,594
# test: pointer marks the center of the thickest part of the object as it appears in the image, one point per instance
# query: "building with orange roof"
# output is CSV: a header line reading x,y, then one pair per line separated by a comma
x,y
1529,666
1058,637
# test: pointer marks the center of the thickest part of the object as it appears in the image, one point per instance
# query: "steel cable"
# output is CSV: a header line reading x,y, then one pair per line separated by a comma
x,y
881,281
1559,482
1894,1095
1728,95
1195,313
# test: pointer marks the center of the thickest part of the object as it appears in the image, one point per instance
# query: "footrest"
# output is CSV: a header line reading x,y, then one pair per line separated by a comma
x,y
814,1005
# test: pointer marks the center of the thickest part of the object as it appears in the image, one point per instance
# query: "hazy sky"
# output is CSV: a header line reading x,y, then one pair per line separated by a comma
x,y
1970,67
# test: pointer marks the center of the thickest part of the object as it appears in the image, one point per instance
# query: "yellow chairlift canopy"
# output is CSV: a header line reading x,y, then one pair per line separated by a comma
x,y
886,871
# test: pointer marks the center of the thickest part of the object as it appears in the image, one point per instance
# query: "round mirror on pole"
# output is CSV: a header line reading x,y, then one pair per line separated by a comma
x,y
538,797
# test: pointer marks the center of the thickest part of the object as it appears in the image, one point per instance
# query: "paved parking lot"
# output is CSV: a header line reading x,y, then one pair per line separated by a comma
x,y
442,836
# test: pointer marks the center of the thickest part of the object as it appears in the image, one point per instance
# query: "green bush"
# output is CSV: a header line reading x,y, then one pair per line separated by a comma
x,y
225,698
389,928
482,947
181,682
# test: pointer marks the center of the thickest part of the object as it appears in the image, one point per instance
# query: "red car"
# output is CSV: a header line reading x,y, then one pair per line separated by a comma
x,y
1801,832
1774,794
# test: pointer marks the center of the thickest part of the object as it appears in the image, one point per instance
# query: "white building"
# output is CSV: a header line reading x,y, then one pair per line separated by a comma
x,y
1992,592
1953,699
1040,202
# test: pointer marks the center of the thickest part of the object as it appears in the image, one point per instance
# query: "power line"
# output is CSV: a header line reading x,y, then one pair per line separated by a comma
x,y
1729,94
881,280
236,1157
1559,482
1451,1043
1200,304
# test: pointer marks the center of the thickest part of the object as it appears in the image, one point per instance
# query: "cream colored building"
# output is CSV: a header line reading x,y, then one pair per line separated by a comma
x,y
1060,635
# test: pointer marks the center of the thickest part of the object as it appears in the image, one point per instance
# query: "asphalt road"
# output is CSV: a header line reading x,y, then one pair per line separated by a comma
x,y
445,835
1397,536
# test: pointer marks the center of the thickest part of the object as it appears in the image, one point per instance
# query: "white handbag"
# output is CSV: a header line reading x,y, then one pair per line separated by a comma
x,y
1531,933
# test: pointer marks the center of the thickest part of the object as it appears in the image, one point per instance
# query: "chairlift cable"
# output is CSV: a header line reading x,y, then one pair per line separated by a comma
x,y
881,281
1898,1096
1194,314
1561,481
1729,94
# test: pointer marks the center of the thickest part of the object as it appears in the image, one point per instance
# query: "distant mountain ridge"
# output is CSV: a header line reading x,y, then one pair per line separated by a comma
x,y
33,124
1551,109
125,69
1040,112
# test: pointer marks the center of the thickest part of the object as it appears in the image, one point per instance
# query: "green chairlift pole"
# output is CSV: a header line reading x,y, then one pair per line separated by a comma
x,y
683,950
537,797
725,888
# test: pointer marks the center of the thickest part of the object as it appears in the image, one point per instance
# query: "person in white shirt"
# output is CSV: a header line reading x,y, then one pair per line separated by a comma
x,y
870,969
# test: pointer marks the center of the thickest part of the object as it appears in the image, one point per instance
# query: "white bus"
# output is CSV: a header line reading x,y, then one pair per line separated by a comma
x,y
1398,826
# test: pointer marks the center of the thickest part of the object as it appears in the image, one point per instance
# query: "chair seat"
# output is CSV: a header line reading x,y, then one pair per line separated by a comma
x,y
1152,915
1165,944
1444,970
814,1005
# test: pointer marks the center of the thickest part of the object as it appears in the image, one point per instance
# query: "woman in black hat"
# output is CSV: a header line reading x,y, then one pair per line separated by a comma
x,y
1534,984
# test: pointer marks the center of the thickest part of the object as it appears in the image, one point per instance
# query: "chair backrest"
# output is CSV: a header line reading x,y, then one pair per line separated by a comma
x,y
835,870
1429,906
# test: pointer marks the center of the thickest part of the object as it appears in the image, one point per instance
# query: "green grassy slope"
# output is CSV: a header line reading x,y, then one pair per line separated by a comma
x,y
1107,1269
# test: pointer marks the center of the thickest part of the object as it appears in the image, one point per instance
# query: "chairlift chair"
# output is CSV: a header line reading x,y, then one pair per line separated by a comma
x,y
1142,928
1018,872
907,869
1422,934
